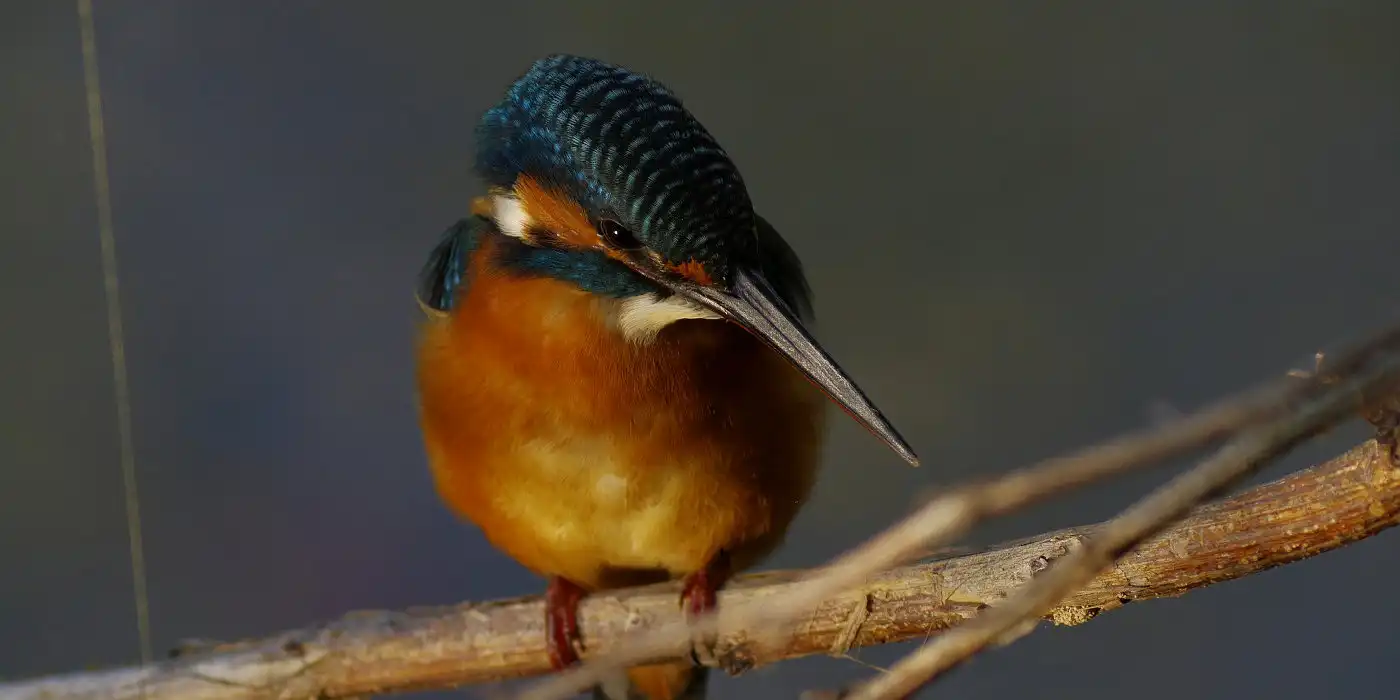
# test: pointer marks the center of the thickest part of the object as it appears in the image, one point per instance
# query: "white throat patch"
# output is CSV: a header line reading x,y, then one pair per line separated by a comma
x,y
641,317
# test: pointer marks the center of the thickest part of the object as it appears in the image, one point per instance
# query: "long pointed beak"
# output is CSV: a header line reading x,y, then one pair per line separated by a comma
x,y
755,305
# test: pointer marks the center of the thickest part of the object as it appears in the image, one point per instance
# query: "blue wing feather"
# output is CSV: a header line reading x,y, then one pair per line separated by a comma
x,y
445,272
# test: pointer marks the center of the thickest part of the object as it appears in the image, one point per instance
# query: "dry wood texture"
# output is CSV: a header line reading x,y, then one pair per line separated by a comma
x,y
1348,498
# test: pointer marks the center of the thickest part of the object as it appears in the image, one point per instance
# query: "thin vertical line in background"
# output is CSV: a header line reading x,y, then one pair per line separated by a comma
x,y
102,188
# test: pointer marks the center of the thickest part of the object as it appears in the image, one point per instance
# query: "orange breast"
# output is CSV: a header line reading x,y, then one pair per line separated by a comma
x,y
586,456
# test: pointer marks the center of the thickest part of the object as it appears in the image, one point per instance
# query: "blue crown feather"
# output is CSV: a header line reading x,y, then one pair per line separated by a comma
x,y
624,146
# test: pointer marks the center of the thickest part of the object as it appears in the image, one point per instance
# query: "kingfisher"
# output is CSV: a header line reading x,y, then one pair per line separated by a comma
x,y
616,380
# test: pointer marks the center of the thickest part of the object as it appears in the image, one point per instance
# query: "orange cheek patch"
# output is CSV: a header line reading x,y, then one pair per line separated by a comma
x,y
692,270
555,213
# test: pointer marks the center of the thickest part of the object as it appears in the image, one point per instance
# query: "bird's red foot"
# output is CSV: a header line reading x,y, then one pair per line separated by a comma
x,y
561,600
700,596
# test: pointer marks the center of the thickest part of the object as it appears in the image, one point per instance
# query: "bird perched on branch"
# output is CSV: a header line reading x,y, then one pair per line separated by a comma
x,y
615,380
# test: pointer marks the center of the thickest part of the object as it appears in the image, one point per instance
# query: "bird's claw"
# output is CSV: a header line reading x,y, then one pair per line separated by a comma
x,y
699,597
561,601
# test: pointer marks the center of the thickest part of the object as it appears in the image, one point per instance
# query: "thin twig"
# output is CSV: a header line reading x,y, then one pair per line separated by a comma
x,y
116,337
956,512
1303,514
1239,458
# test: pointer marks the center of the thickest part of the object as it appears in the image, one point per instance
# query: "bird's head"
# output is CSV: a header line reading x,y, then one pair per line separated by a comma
x,y
599,176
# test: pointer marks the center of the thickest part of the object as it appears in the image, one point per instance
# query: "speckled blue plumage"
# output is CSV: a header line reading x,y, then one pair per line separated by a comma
x,y
622,146
625,147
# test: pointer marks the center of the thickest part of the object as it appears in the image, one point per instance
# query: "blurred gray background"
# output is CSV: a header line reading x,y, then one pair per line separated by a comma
x,y
1030,226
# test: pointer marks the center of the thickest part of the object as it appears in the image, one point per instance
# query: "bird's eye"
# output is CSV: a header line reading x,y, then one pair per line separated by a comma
x,y
617,235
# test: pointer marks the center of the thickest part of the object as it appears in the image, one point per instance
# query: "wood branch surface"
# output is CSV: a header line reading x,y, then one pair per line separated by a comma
x,y
1311,511
1245,454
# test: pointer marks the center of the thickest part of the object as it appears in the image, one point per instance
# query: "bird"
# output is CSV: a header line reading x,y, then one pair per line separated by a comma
x,y
616,379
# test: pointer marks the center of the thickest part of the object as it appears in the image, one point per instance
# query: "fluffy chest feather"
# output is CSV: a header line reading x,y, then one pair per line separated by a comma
x,y
587,455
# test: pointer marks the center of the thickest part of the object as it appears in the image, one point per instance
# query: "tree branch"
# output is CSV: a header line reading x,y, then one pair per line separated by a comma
x,y
1346,499
1245,454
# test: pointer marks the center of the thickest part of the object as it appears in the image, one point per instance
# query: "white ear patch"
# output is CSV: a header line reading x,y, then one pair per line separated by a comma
x,y
510,215
641,317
